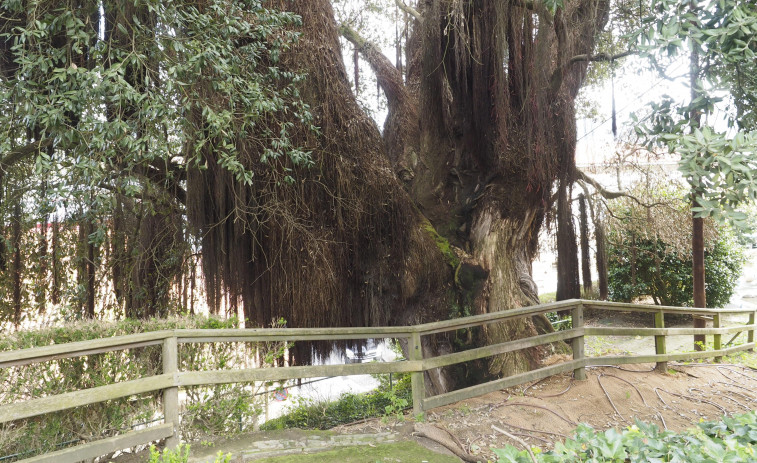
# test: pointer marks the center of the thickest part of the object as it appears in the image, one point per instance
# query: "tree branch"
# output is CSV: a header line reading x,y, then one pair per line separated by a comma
x,y
409,10
18,154
582,177
387,75
601,57
600,189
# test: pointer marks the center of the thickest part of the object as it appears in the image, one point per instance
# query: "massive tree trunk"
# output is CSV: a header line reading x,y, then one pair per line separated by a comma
x,y
442,210
493,84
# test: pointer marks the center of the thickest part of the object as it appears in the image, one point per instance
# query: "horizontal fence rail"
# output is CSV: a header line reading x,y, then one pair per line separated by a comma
x,y
172,378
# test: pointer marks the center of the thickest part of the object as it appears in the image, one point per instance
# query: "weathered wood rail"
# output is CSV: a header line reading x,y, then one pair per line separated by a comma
x,y
172,378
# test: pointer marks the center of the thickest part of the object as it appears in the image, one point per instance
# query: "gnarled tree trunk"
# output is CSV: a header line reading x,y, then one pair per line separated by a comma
x,y
442,209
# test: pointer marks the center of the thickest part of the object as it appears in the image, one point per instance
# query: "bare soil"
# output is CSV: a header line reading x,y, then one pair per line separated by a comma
x,y
547,411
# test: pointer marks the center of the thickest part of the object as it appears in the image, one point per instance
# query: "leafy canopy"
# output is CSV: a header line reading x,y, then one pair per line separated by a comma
x,y
117,88
718,164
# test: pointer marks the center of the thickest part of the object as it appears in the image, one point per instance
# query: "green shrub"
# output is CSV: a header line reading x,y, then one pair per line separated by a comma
x,y
180,455
666,275
730,440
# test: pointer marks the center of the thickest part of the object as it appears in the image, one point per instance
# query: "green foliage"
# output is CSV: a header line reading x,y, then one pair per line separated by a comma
x,y
647,266
107,105
384,401
718,165
180,455
731,440
559,323
223,409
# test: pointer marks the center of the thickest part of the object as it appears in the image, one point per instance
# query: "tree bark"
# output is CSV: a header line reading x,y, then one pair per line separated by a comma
x,y
585,254
602,272
442,210
568,285
700,297
18,266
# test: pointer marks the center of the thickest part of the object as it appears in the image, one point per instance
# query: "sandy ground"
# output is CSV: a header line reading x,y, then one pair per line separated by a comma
x,y
611,397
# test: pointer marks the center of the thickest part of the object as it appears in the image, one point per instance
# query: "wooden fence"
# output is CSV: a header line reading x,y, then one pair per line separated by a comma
x,y
172,378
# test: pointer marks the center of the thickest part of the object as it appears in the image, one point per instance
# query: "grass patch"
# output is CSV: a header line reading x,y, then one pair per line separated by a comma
x,y
401,452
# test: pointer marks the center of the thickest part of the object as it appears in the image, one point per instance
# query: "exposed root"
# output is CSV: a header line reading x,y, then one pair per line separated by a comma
x,y
609,399
737,372
518,440
723,411
548,395
750,398
570,422
536,430
629,383
445,438
620,368
662,419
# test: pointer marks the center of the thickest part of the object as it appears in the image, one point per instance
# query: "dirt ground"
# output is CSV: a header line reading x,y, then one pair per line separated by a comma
x,y
611,397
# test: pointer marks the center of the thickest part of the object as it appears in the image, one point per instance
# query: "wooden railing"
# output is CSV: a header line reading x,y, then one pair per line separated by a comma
x,y
172,378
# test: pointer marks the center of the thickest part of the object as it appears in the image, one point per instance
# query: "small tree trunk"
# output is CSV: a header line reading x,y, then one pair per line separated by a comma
x,y
585,256
3,249
91,279
700,298
86,270
42,277
55,262
17,264
568,286
697,224
602,273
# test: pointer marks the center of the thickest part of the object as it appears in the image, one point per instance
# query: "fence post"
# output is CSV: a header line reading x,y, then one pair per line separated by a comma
x,y
171,394
717,339
416,378
750,333
577,319
660,341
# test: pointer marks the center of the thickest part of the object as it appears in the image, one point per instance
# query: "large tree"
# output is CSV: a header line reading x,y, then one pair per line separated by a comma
x,y
304,209
443,208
